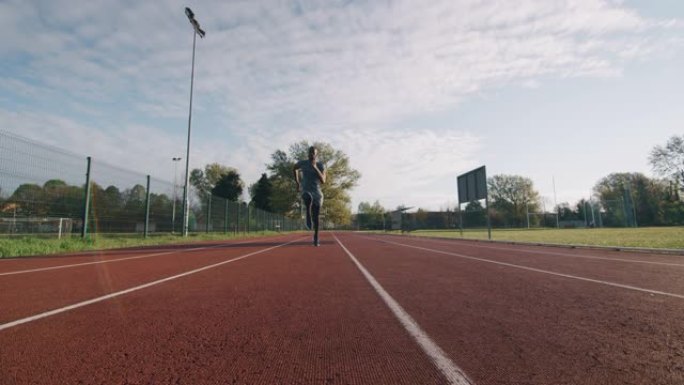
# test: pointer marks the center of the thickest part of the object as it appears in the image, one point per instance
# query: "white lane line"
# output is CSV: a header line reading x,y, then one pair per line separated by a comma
x,y
132,289
526,250
118,259
91,263
449,369
608,283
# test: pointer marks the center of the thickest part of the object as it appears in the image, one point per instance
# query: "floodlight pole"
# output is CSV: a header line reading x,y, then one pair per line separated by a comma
x,y
186,204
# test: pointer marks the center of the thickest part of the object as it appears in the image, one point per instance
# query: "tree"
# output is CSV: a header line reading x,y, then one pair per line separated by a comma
x,y
474,215
113,201
54,184
590,212
229,186
370,216
420,217
63,200
284,197
261,193
669,160
205,180
134,200
161,212
340,179
628,198
566,213
109,205
513,196
29,200
199,182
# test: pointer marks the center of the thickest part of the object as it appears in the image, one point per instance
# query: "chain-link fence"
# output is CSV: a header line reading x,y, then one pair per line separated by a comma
x,y
215,214
46,190
39,184
473,216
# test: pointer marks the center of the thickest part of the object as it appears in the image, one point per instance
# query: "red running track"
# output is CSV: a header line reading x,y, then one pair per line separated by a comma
x,y
380,310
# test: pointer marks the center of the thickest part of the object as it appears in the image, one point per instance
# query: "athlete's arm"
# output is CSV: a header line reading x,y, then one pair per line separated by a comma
x,y
321,175
295,171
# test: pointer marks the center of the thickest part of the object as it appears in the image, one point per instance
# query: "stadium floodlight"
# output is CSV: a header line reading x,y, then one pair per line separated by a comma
x,y
194,22
186,205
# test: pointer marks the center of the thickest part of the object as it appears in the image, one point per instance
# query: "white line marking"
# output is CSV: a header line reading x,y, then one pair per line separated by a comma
x,y
132,289
451,371
90,263
526,250
118,259
540,270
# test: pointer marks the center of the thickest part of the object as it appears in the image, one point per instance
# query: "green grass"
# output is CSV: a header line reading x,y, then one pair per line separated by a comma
x,y
26,246
647,237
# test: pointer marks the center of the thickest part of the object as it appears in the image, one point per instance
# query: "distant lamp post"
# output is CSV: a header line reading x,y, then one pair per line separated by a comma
x,y
186,206
175,197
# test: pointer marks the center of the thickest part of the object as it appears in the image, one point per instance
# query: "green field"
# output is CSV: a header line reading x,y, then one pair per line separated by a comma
x,y
25,246
647,237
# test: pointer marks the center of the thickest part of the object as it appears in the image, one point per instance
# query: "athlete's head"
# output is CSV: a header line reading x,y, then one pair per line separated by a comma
x,y
313,153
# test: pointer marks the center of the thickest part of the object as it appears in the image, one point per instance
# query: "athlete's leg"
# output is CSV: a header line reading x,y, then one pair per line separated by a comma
x,y
308,200
315,212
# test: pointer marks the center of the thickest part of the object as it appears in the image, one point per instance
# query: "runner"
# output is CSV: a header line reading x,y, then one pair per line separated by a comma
x,y
313,176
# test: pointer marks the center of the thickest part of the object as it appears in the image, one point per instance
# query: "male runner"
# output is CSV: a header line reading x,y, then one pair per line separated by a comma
x,y
313,176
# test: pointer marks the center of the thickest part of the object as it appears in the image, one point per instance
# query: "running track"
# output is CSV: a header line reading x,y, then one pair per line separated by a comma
x,y
360,309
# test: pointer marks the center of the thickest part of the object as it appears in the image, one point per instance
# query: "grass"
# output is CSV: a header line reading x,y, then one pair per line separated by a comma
x,y
647,237
26,246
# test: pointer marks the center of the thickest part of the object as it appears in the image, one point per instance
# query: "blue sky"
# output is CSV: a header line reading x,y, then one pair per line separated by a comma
x,y
414,92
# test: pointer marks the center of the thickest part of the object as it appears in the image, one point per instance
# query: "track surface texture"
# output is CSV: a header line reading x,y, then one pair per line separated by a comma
x,y
360,309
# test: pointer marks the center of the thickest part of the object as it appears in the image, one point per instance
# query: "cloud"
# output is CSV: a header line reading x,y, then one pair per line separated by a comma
x,y
402,166
272,73
139,149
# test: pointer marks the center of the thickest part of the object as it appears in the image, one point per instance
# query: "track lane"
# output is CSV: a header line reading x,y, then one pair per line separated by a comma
x,y
295,315
27,294
657,277
454,374
506,325
146,285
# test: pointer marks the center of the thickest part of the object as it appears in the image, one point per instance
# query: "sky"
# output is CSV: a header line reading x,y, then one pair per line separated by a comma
x,y
414,92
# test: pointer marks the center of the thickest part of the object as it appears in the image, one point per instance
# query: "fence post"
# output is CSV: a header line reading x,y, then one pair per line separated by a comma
x,y
208,213
237,218
460,218
86,204
225,214
147,209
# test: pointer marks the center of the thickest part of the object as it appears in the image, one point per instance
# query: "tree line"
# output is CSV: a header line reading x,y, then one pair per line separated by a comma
x,y
112,209
277,188
618,199
275,192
